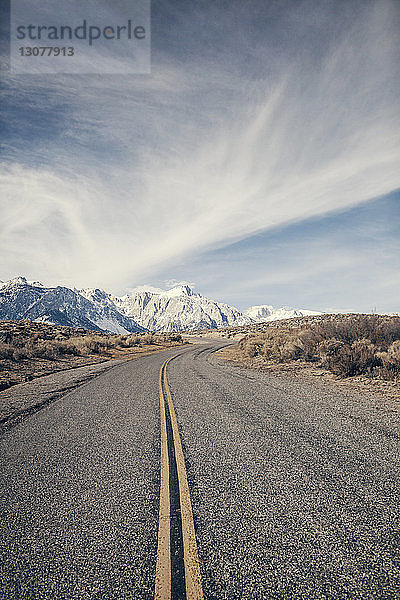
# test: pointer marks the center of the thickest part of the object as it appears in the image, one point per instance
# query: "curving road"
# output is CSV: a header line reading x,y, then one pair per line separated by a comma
x,y
294,487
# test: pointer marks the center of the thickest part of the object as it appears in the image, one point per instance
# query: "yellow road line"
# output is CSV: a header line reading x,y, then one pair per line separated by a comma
x,y
163,567
194,589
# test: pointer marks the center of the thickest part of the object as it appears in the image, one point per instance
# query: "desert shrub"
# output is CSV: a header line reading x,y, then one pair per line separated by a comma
x,y
66,347
356,359
394,352
291,350
96,344
27,350
173,337
307,343
346,345
252,349
34,340
328,348
40,349
390,360
251,346
19,354
88,344
375,328
79,344
6,351
360,346
271,348
282,345
46,350
127,341
274,344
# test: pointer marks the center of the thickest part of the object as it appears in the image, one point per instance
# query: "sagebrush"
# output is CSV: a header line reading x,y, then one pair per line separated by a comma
x,y
21,347
347,346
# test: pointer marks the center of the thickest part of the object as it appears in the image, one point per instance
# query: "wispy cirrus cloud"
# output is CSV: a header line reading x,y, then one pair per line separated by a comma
x,y
107,179
346,260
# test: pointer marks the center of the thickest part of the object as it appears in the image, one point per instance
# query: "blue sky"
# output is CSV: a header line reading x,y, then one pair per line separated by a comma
x,y
259,160
348,260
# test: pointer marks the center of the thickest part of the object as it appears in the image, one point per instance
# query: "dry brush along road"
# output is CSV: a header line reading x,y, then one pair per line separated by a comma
x,y
177,476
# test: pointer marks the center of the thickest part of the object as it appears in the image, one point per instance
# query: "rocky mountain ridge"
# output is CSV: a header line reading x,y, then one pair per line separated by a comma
x,y
266,312
21,299
145,308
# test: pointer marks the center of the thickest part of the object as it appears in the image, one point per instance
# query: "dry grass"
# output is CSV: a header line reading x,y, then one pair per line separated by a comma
x,y
29,349
347,345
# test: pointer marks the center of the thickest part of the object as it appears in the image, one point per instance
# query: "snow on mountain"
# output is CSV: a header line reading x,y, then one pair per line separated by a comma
x,y
21,281
106,316
266,312
145,288
180,290
17,296
21,299
144,308
178,309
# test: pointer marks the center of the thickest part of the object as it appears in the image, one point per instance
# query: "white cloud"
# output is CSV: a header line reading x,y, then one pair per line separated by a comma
x,y
150,169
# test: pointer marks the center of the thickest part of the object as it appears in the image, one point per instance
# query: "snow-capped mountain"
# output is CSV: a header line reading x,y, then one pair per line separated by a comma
x,y
21,299
177,309
265,312
144,308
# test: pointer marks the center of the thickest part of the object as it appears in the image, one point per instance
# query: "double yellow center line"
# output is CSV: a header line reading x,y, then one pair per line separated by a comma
x,y
164,583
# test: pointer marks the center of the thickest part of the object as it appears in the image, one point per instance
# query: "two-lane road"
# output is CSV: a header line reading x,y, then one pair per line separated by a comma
x,y
294,488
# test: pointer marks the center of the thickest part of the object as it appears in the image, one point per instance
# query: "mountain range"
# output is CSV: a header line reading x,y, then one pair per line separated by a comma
x,y
144,309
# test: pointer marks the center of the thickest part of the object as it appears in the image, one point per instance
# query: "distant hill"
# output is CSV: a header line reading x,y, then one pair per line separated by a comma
x,y
265,313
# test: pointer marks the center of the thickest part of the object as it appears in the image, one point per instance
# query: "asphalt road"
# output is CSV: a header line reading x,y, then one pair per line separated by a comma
x,y
294,486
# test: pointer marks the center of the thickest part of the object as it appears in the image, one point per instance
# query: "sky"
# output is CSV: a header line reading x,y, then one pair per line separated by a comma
x,y
259,161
